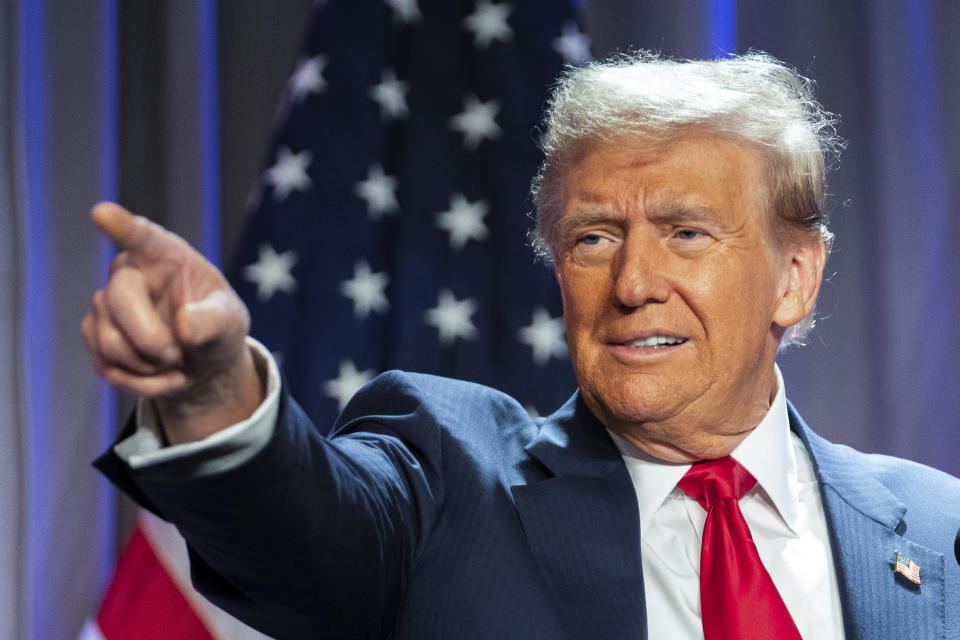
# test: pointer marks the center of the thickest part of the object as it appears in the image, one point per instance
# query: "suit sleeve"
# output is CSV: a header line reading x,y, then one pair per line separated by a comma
x,y
217,452
314,536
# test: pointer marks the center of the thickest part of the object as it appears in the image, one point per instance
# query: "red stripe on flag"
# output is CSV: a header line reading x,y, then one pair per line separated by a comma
x,y
143,601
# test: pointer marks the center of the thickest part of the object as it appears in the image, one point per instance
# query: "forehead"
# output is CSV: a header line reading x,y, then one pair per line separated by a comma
x,y
690,172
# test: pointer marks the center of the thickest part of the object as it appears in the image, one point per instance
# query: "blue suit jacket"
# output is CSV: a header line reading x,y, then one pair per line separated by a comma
x,y
442,510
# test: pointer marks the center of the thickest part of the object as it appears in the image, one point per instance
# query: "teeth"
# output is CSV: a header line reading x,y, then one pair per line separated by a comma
x,y
656,341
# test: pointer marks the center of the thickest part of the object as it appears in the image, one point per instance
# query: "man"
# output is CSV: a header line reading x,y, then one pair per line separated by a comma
x,y
680,204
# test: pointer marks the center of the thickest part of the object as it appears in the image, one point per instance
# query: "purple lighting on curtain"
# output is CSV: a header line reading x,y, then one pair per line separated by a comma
x,y
927,158
722,25
209,132
109,176
37,314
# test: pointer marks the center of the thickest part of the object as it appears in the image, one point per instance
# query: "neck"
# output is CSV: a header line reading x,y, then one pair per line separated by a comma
x,y
694,434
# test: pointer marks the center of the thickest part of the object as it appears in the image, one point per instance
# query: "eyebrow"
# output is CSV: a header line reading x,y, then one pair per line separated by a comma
x,y
671,211
679,212
586,217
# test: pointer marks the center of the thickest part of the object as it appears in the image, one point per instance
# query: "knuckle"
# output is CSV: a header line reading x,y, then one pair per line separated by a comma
x,y
98,365
112,345
90,339
119,261
150,338
120,379
113,376
122,279
142,228
89,329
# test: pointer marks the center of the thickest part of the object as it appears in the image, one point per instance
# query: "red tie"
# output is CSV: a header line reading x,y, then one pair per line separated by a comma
x,y
738,600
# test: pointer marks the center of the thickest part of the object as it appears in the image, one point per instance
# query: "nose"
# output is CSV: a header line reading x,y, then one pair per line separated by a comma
x,y
639,273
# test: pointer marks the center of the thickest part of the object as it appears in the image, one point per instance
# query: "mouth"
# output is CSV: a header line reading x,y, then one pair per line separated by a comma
x,y
655,341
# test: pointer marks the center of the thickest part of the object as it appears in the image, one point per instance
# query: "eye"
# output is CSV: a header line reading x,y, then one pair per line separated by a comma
x,y
687,234
592,247
689,241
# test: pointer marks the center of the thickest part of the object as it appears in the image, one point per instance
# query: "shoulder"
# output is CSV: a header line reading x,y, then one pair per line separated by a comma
x,y
877,484
457,407
911,481
836,462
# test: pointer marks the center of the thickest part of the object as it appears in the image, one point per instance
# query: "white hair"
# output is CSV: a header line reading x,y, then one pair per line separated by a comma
x,y
753,98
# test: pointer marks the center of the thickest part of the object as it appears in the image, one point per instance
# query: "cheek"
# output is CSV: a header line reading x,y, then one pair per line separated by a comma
x,y
729,299
747,303
580,294
576,324
581,311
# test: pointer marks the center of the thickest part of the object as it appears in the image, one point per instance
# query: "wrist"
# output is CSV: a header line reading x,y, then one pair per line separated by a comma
x,y
216,402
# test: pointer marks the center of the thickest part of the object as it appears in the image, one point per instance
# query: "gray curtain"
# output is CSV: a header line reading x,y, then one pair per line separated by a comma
x,y
168,107
102,99
879,372
57,111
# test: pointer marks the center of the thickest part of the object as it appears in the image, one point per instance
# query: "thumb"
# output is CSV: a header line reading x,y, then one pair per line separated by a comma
x,y
220,317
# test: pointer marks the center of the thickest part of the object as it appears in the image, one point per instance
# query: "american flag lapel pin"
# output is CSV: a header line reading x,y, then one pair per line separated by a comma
x,y
906,567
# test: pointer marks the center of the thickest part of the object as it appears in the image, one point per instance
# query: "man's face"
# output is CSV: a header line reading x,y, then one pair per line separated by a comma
x,y
675,294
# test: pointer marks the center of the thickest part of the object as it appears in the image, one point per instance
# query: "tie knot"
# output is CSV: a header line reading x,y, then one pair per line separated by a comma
x,y
714,480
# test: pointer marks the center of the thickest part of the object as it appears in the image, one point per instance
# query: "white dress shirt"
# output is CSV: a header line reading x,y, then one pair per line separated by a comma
x,y
783,512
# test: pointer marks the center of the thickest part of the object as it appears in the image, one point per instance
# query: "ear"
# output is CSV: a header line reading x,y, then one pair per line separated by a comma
x,y
801,282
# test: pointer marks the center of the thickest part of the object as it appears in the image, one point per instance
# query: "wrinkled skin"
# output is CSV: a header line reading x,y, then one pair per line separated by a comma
x,y
674,240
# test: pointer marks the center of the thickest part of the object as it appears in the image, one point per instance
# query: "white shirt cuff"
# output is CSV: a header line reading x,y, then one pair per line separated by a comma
x,y
220,451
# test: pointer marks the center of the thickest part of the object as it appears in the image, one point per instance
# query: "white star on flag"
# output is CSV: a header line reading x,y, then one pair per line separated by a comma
x,y
289,173
464,221
308,78
476,121
379,191
572,45
488,22
545,335
271,272
391,95
452,317
405,11
347,383
366,289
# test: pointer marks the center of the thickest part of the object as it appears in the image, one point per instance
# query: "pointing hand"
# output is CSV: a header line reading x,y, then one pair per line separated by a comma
x,y
168,326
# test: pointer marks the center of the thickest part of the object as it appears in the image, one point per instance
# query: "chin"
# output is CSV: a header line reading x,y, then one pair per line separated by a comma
x,y
633,405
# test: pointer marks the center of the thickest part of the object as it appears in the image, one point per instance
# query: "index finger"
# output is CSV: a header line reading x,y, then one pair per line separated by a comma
x,y
131,233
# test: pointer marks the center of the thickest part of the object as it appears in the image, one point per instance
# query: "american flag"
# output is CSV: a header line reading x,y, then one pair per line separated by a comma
x,y
906,567
389,229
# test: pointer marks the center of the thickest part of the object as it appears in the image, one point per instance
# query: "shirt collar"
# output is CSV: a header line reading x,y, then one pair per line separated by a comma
x,y
767,453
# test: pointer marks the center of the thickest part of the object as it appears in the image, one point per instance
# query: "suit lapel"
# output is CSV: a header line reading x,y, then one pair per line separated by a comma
x,y
583,531
583,527
866,526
